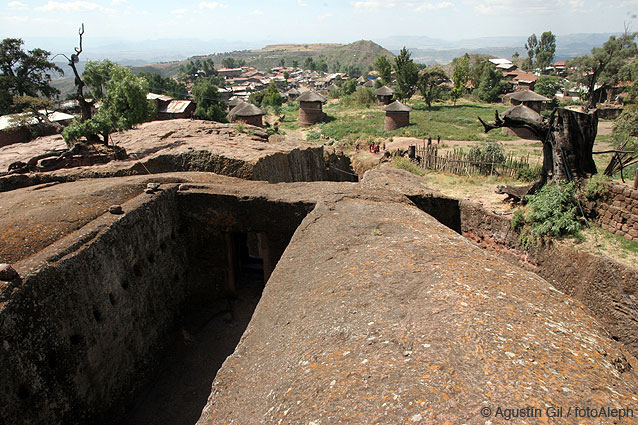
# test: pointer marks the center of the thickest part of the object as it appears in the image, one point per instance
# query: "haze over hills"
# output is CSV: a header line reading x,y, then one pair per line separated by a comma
x,y
430,50
425,49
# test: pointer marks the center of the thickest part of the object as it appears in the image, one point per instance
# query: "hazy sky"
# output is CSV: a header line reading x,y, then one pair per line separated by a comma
x,y
311,20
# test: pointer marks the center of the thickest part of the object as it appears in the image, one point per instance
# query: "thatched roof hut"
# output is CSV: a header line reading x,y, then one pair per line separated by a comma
x,y
247,113
384,95
397,115
310,108
528,98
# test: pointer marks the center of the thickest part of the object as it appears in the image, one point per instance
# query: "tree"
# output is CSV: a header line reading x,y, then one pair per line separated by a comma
x,y
210,105
515,56
384,68
349,86
164,85
491,85
604,66
429,83
548,85
272,97
233,63
476,70
407,74
545,50
24,73
295,63
460,76
530,46
309,63
282,62
123,97
568,140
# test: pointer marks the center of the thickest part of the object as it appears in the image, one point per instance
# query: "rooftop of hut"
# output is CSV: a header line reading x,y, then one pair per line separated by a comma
x,y
246,109
384,91
397,106
527,96
311,96
521,112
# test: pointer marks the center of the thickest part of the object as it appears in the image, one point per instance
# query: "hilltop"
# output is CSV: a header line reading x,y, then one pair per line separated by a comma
x,y
361,53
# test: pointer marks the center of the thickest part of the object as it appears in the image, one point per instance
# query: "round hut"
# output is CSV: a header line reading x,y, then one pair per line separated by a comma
x,y
310,111
528,98
384,95
397,115
234,101
293,94
247,113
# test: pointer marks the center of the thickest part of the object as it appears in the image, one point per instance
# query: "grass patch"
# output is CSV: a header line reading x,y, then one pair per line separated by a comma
x,y
407,165
352,122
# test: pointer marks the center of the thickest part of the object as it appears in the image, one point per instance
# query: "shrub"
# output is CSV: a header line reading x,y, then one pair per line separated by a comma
x,y
313,135
552,211
596,187
407,165
528,174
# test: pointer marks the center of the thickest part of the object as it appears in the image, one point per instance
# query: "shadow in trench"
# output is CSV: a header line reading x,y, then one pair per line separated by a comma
x,y
208,335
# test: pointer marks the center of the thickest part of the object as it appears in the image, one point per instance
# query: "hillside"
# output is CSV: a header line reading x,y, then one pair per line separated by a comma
x,y
360,53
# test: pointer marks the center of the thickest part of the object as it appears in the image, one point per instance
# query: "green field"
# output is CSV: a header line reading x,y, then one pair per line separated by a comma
x,y
349,124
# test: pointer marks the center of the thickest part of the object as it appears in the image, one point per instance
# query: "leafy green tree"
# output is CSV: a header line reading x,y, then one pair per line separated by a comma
x,y
24,73
164,85
626,128
210,105
352,71
548,85
476,70
282,62
349,86
123,97
429,83
530,46
295,63
309,63
233,63
460,76
491,85
604,66
383,66
545,50
272,97
515,56
407,75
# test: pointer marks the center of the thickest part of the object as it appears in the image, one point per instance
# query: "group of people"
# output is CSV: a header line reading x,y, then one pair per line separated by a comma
x,y
375,147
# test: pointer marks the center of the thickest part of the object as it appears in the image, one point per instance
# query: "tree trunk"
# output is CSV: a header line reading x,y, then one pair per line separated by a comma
x,y
568,141
567,152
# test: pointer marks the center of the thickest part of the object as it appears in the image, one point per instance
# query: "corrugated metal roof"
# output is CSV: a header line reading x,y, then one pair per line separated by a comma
x,y
5,120
153,96
176,106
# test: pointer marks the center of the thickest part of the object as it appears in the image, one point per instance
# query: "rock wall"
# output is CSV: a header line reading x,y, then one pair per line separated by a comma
x,y
90,315
579,274
84,329
618,213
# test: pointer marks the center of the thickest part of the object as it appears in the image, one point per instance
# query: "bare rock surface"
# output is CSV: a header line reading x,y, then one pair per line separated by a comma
x,y
186,145
377,313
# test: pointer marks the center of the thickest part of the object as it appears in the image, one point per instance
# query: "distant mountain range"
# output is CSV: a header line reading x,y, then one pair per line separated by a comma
x,y
430,50
425,49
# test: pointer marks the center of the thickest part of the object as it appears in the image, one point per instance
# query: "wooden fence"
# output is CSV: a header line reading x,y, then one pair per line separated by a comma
x,y
463,162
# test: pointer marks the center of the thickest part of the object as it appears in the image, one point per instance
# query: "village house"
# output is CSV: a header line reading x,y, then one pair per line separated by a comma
x,y
528,98
397,115
384,95
177,109
310,108
247,113
18,128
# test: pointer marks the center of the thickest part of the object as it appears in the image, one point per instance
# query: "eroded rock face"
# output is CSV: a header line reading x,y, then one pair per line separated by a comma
x,y
185,145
